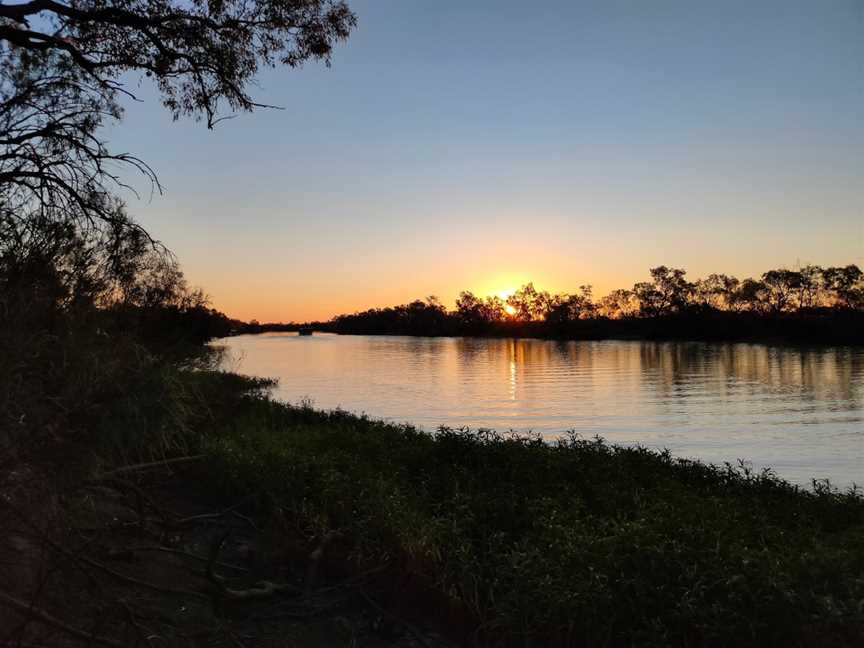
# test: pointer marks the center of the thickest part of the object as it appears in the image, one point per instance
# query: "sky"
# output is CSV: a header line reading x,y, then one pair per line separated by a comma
x,y
480,145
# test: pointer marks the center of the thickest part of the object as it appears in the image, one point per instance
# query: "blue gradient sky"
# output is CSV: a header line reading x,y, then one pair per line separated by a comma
x,y
483,144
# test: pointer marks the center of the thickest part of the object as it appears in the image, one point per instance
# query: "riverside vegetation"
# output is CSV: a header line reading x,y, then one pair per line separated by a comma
x,y
811,305
147,499
490,539
579,542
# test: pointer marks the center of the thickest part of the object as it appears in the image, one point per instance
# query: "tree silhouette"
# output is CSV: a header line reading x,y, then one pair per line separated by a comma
x,y
200,53
618,304
567,308
810,304
667,293
63,66
524,303
781,286
846,284
810,287
714,292
748,295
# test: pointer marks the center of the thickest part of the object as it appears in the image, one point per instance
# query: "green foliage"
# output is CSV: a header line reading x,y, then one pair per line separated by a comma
x,y
573,543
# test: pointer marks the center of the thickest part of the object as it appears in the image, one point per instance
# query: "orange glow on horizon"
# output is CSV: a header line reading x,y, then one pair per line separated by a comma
x,y
289,302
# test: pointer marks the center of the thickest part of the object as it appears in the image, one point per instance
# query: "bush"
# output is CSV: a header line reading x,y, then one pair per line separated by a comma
x,y
575,543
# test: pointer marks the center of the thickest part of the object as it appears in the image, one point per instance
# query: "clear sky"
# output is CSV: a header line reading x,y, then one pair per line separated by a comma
x,y
478,145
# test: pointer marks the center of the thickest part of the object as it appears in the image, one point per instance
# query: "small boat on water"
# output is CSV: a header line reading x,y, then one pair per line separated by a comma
x,y
305,330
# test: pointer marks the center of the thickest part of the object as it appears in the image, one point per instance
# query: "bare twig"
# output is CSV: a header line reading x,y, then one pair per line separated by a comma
x,y
231,510
120,483
261,589
149,465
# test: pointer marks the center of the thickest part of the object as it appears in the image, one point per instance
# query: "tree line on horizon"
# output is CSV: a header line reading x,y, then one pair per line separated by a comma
x,y
810,290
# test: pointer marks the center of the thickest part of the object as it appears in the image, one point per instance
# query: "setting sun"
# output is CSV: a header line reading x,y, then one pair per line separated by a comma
x,y
509,309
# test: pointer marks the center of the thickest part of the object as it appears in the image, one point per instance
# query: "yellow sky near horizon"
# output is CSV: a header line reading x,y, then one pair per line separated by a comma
x,y
300,296
450,148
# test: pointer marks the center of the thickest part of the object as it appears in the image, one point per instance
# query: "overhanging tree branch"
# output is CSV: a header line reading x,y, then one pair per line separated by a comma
x,y
64,64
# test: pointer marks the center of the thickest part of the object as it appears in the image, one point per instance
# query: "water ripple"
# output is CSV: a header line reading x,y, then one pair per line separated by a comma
x,y
800,411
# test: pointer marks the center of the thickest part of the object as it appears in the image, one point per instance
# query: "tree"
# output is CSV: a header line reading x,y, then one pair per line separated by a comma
x,y
846,284
566,308
649,299
469,309
63,66
526,303
666,293
52,164
749,295
810,287
493,309
671,287
780,286
618,304
714,291
199,53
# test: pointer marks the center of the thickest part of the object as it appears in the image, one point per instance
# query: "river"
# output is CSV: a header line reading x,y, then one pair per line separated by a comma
x,y
799,411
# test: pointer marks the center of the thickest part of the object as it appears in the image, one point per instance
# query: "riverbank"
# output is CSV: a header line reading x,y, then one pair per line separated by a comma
x,y
128,539
517,541
488,539
714,401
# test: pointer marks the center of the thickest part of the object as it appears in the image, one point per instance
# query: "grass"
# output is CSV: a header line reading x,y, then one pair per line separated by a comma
x,y
574,543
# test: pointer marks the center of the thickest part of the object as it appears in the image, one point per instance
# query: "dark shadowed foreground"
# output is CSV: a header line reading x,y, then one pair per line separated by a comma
x,y
259,513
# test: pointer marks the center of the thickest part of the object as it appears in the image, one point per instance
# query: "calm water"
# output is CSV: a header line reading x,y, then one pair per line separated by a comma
x,y
800,411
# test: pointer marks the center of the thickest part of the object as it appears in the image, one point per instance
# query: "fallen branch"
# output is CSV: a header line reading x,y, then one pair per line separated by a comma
x,y
149,465
120,484
261,589
231,510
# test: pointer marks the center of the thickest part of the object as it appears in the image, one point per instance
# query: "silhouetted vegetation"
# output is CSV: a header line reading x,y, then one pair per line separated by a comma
x,y
64,66
83,321
101,339
87,297
813,305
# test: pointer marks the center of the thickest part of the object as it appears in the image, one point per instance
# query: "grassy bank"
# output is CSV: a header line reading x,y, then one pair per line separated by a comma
x,y
493,540
518,542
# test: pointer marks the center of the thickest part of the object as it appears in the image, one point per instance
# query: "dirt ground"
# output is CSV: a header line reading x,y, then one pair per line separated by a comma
x,y
145,558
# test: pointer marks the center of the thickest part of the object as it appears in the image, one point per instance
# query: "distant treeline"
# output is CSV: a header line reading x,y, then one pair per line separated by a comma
x,y
813,304
254,326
